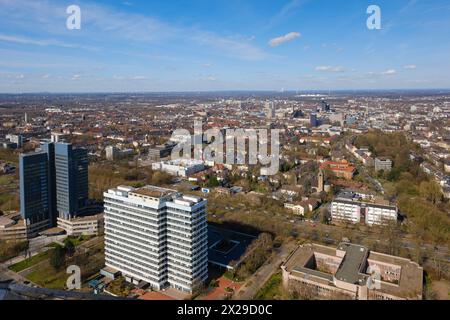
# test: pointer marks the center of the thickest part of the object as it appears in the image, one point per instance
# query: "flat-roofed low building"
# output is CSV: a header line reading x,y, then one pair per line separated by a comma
x,y
88,225
383,164
180,167
351,271
14,228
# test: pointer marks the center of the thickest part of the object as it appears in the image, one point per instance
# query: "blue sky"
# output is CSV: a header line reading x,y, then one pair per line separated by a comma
x,y
201,45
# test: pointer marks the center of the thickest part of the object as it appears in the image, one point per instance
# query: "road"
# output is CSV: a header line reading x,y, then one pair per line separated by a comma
x,y
263,274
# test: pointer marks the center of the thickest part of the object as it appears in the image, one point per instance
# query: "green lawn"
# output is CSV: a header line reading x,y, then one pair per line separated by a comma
x,y
272,289
48,277
27,263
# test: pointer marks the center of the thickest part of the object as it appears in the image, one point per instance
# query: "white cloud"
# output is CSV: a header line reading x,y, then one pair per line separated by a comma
x,y
76,77
139,78
410,67
389,72
330,69
287,37
42,43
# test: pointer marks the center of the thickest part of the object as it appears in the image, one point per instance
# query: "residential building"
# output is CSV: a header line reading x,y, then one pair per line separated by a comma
x,y
351,271
341,169
354,207
158,236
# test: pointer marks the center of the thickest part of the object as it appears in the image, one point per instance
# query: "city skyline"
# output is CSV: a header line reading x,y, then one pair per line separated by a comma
x,y
284,45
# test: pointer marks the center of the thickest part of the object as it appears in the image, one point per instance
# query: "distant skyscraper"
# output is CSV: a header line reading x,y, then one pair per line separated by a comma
x,y
26,118
313,120
34,188
325,106
71,167
270,110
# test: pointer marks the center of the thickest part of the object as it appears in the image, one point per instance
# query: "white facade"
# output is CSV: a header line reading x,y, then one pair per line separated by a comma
x,y
380,214
181,167
354,211
345,211
157,235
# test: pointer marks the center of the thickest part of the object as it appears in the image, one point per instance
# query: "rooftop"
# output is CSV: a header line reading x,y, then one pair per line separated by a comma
x,y
154,192
353,268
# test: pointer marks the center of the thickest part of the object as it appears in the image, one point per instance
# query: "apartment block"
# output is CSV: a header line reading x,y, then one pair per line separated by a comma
x,y
354,207
158,236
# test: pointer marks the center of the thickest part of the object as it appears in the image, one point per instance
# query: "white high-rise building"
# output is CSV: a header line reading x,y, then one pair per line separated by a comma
x,y
270,110
158,236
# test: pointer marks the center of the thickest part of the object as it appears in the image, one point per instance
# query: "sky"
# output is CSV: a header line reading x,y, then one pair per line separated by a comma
x,y
210,45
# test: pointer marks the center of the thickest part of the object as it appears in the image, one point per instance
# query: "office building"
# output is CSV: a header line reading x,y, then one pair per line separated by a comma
x,y
91,225
354,207
180,167
157,236
351,271
113,153
53,185
71,167
161,151
383,164
49,149
34,189
313,121
17,139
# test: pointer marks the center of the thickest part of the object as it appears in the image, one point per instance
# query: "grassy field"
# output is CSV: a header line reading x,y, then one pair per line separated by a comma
x,y
27,263
272,290
90,262
45,276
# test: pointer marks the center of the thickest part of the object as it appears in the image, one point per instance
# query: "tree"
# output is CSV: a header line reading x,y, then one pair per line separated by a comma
x,y
213,182
57,257
431,191
69,247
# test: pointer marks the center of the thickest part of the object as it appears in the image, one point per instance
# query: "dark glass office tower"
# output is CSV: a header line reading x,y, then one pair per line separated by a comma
x,y
34,187
71,168
49,149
